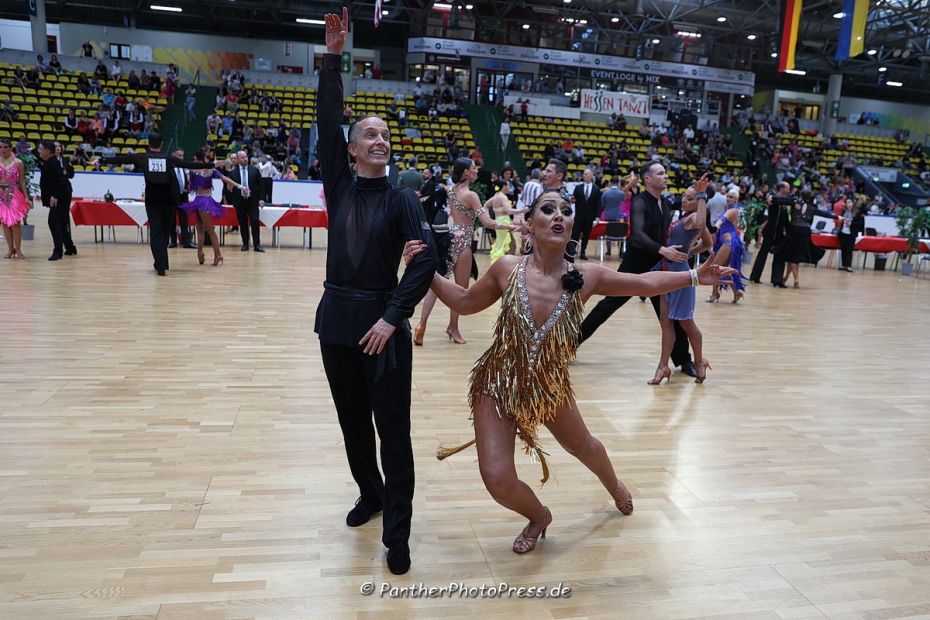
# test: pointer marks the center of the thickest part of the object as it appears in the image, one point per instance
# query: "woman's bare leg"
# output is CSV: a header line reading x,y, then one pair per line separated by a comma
x,y
495,436
573,435
428,302
462,271
668,342
208,230
695,337
8,235
17,230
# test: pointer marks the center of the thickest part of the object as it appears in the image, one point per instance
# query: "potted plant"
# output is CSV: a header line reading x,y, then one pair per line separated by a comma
x,y
32,187
912,222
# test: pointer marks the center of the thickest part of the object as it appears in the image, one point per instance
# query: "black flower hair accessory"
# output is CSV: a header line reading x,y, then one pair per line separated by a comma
x,y
572,281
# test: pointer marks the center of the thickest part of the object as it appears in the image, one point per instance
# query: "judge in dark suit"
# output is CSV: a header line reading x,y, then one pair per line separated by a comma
x,y
246,202
180,189
56,195
587,207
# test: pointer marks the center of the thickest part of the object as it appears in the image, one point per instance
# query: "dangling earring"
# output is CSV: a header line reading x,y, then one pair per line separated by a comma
x,y
527,245
577,246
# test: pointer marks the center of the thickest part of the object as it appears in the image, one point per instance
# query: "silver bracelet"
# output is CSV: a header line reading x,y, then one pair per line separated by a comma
x,y
694,277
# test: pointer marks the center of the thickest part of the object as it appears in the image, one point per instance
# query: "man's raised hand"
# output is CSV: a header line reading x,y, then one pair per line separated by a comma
x,y
336,31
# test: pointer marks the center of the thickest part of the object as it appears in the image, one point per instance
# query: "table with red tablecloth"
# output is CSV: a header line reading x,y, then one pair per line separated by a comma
x,y
878,245
107,215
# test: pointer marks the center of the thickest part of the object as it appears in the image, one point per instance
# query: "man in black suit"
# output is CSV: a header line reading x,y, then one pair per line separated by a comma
x,y
587,208
650,217
56,195
246,201
774,232
428,194
180,190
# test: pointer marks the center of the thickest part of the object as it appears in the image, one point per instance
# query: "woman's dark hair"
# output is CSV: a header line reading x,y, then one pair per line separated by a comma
x,y
561,191
6,141
459,167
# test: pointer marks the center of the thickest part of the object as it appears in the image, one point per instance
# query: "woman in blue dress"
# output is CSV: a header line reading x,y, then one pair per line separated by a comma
x,y
690,235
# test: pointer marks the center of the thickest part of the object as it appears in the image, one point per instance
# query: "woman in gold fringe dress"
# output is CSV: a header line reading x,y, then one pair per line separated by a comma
x,y
522,380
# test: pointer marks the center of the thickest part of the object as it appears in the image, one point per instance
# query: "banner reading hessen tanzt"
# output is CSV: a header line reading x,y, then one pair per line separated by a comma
x,y
606,102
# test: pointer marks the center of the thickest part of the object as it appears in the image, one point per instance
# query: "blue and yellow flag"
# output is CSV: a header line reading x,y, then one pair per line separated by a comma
x,y
852,29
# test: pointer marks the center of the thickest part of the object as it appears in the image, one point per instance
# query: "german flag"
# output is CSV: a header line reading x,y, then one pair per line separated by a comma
x,y
852,29
790,18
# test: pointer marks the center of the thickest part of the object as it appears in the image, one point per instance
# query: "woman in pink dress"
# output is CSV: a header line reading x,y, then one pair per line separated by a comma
x,y
13,202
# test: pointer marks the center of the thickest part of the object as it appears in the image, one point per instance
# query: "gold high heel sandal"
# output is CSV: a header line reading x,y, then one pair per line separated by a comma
x,y
523,543
200,257
701,370
737,296
217,260
418,334
662,372
458,340
713,297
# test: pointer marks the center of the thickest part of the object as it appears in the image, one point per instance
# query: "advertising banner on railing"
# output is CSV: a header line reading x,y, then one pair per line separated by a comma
x,y
606,102
464,49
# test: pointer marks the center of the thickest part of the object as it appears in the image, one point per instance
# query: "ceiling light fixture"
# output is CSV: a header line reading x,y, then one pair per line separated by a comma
x,y
315,22
882,69
614,19
896,84
721,19
751,37
839,15
872,52
170,9
796,72
526,26
656,41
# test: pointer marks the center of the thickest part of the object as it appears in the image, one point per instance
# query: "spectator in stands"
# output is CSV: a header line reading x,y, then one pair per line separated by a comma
x,y
525,110
145,80
133,79
7,113
22,146
137,122
116,71
100,71
41,65
95,87
167,91
54,64
83,83
87,50
32,78
505,135
314,171
231,102
155,82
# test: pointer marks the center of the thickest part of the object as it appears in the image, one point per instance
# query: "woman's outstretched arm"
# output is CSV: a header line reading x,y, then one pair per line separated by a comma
x,y
466,300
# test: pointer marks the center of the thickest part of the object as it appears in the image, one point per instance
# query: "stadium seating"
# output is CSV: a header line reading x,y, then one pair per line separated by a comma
x,y
40,112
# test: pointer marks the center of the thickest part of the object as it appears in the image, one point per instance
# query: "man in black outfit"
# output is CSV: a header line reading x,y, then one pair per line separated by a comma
x,y
362,316
56,195
650,217
774,232
246,201
160,196
180,191
587,208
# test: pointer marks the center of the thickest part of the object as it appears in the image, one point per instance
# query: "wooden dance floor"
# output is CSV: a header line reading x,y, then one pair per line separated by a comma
x,y
170,450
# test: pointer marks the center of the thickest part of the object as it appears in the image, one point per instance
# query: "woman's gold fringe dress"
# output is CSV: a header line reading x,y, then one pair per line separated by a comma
x,y
525,370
